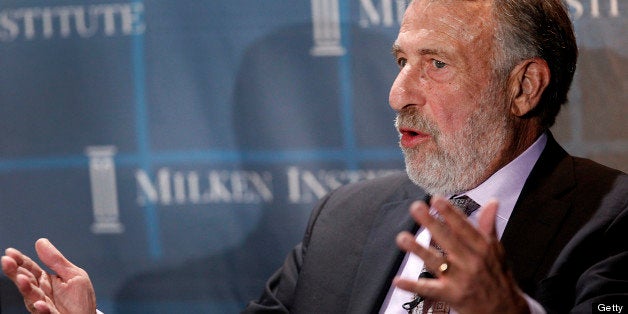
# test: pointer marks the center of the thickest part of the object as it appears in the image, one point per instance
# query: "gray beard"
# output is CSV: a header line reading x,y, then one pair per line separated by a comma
x,y
460,161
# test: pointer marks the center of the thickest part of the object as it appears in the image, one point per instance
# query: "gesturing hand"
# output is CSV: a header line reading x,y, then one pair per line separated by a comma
x,y
476,279
68,291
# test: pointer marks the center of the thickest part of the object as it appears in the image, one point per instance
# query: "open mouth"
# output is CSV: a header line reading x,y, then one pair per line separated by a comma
x,y
411,138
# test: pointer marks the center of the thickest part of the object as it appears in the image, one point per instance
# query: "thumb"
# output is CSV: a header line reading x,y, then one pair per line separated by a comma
x,y
486,222
53,258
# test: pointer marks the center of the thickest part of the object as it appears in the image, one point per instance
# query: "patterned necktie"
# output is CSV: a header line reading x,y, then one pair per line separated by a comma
x,y
466,204
427,306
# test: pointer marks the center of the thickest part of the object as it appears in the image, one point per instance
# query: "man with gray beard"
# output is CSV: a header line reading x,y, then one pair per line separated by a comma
x,y
480,83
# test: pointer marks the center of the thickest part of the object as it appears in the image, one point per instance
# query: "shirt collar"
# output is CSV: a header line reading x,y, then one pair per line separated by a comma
x,y
506,184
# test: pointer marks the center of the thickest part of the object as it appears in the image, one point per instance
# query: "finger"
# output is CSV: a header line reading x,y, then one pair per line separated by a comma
x,y
486,222
30,292
9,267
53,258
42,307
457,235
441,234
24,272
12,270
23,280
427,288
24,261
430,256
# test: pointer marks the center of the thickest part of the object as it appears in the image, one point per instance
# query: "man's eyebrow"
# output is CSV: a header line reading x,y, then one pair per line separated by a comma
x,y
396,49
428,51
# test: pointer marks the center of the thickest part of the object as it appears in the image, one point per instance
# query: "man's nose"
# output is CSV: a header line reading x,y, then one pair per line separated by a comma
x,y
406,90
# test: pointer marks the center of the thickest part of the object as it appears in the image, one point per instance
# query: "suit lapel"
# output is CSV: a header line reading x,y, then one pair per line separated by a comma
x,y
538,214
381,257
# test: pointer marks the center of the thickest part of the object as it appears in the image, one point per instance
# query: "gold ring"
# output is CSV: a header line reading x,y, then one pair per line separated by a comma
x,y
443,267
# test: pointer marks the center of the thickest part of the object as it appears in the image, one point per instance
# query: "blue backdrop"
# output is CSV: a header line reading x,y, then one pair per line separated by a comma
x,y
174,149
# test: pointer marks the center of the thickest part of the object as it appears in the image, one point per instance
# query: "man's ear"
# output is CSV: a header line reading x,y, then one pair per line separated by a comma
x,y
528,81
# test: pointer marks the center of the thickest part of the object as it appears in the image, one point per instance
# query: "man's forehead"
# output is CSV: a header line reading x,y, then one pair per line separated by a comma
x,y
417,8
461,19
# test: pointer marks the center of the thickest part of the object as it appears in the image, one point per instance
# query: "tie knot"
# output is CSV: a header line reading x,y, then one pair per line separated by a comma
x,y
465,203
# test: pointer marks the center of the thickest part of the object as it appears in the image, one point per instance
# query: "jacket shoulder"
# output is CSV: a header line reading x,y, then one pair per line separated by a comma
x,y
372,193
608,186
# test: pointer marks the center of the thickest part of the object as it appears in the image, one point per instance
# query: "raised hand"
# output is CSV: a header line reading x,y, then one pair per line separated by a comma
x,y
68,290
473,277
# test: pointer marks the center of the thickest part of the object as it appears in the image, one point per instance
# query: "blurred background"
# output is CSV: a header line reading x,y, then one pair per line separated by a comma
x,y
174,149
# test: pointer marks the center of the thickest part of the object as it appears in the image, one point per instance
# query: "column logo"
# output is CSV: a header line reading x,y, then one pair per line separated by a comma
x,y
102,177
327,24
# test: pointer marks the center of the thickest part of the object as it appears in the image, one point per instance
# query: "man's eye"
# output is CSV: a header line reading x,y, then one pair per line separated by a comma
x,y
439,64
402,62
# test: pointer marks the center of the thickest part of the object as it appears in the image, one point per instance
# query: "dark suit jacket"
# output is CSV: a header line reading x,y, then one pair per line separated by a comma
x,y
566,241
